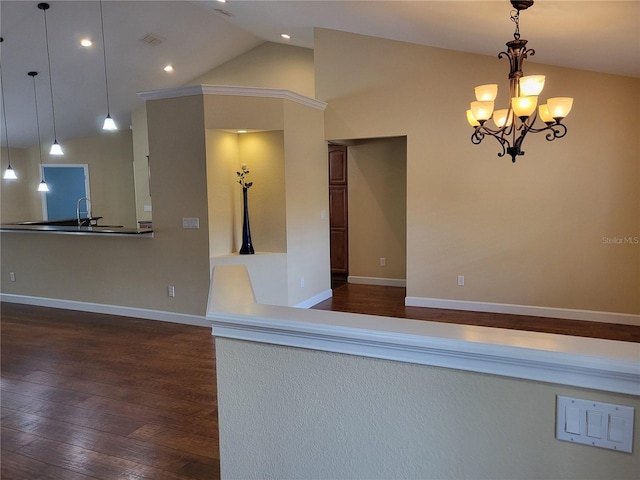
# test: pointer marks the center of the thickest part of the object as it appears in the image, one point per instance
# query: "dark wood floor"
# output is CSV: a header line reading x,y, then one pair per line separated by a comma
x,y
89,396
389,301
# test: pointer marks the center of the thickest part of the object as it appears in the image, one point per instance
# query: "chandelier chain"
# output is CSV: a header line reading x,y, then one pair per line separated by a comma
x,y
515,18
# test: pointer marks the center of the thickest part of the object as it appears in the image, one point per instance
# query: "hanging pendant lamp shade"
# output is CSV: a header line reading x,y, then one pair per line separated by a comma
x,y
9,173
56,149
42,187
109,123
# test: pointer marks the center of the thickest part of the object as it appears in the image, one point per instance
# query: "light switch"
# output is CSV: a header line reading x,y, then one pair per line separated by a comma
x,y
190,222
616,428
594,424
572,420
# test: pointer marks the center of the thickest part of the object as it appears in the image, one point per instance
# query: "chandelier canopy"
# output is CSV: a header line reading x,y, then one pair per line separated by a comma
x,y
513,123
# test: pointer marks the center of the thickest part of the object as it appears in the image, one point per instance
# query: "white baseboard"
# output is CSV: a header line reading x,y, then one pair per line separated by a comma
x,y
147,314
549,312
316,299
386,282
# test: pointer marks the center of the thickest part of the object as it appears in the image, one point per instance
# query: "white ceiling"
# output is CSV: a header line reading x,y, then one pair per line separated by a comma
x,y
601,36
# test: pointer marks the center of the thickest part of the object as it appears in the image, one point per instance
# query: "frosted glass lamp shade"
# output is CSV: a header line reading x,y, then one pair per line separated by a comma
x,y
471,119
502,118
560,107
109,124
10,174
481,110
524,106
43,187
531,85
486,93
545,115
56,149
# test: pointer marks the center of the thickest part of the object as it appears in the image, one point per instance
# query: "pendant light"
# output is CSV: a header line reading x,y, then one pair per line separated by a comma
x,y
56,149
43,185
9,173
109,123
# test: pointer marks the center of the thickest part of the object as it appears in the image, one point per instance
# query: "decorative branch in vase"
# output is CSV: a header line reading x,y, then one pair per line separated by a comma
x,y
247,246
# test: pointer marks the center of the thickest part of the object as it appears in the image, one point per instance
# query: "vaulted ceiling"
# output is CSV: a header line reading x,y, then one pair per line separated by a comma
x,y
196,37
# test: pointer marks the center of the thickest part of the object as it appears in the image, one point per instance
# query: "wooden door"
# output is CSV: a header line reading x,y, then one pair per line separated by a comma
x,y
338,210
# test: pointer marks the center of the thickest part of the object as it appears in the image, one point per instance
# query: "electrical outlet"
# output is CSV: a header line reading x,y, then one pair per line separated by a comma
x,y
171,291
383,262
12,276
460,280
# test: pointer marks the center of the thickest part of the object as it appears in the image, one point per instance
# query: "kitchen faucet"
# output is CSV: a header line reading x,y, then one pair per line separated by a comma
x,y
87,205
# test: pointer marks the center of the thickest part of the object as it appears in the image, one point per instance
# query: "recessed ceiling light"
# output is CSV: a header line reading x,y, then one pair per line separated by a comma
x,y
168,68
242,131
285,36
222,1
85,42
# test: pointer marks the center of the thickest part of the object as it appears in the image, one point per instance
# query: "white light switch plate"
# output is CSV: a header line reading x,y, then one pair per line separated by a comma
x,y
190,222
594,423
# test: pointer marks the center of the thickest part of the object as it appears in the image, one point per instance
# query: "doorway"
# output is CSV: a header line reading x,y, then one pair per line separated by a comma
x,y
67,184
368,208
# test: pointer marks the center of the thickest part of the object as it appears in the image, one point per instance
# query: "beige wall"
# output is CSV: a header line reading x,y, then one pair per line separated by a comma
x,y
269,65
222,164
135,272
18,201
141,163
377,171
528,234
289,413
525,234
263,153
131,271
110,159
307,197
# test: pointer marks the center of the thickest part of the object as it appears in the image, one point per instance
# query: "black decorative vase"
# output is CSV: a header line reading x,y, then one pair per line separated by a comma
x,y
247,246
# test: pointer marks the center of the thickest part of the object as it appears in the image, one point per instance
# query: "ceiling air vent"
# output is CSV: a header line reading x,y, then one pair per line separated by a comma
x,y
152,39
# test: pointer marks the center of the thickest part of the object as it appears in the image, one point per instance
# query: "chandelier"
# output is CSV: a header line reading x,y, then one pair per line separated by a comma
x,y
514,123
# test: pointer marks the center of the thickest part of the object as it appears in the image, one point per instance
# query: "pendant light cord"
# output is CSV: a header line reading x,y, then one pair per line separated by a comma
x,y
53,110
4,115
35,97
104,55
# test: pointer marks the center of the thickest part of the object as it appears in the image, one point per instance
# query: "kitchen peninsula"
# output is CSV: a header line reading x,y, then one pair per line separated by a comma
x,y
76,230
